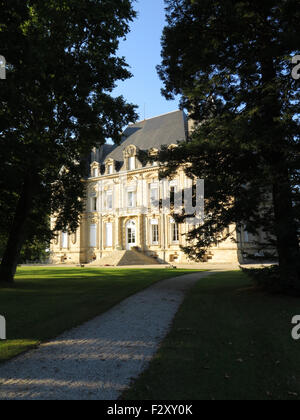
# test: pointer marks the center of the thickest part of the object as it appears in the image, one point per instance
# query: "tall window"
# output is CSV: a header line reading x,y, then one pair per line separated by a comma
x,y
131,233
154,195
64,240
109,200
109,235
174,231
172,196
246,236
93,236
131,163
154,232
94,204
131,199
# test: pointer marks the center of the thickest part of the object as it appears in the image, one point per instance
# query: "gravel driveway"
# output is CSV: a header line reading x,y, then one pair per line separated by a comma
x,y
98,360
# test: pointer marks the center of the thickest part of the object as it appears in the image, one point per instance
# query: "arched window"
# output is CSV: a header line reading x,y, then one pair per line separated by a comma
x,y
130,234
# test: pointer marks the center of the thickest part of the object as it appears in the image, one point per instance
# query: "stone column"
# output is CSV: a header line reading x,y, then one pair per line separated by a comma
x,y
139,232
116,233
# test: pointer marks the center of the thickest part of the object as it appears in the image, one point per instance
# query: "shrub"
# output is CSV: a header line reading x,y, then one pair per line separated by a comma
x,y
266,278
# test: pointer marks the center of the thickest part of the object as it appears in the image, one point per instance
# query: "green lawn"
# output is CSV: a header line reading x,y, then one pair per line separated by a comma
x,y
47,301
228,342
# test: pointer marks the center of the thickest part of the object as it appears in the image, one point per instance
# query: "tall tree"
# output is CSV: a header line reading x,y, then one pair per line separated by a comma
x,y
55,105
231,63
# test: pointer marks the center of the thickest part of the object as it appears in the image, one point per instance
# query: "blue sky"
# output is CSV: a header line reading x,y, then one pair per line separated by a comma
x,y
142,52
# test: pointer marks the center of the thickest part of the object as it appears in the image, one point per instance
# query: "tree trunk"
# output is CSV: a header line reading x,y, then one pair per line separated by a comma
x,y
274,153
287,237
17,234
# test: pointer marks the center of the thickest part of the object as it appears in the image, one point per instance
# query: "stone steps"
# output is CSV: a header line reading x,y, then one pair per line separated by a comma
x,y
124,258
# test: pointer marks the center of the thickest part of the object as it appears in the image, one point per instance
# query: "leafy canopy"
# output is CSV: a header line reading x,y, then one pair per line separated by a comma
x,y
231,63
56,102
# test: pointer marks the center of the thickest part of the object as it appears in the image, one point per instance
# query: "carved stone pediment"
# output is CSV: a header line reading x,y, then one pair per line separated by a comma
x,y
130,151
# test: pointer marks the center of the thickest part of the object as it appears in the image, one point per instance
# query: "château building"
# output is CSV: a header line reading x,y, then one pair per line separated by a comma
x,y
125,222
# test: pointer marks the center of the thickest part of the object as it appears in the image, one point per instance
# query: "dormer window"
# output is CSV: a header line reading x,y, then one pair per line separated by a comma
x,y
131,163
95,170
109,167
153,153
130,157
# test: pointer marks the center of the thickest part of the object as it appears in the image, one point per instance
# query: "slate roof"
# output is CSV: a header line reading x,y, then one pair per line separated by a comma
x,y
101,153
166,129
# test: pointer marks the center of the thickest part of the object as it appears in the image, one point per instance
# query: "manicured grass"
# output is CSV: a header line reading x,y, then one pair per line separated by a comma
x,y
47,301
228,342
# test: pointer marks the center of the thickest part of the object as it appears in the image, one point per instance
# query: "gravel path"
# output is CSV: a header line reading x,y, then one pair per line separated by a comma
x,y
99,359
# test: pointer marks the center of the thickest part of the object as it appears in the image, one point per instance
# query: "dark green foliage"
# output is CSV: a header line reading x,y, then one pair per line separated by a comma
x,y
36,250
228,342
55,105
267,278
231,63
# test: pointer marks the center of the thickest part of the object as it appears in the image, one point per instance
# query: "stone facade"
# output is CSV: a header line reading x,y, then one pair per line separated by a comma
x,y
124,206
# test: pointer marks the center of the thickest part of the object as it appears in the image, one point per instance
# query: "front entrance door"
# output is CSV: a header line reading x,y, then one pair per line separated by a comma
x,y
130,234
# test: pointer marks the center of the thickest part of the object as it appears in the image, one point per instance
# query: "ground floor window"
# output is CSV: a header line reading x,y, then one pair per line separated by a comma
x,y
109,235
174,231
93,236
131,235
64,240
154,232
